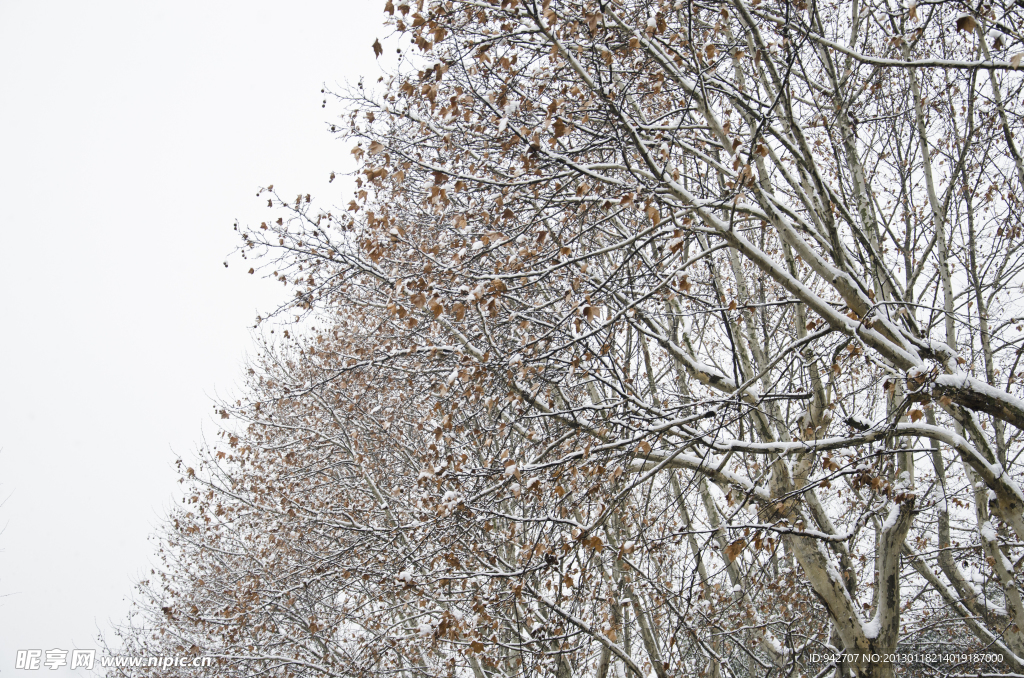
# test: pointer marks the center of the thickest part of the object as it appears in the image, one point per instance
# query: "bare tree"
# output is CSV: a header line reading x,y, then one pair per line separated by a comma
x,y
658,338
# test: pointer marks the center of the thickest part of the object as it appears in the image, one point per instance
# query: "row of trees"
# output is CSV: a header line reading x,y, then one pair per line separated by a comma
x,y
659,338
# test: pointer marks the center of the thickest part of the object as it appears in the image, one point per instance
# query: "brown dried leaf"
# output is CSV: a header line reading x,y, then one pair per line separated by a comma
x,y
966,23
733,550
653,213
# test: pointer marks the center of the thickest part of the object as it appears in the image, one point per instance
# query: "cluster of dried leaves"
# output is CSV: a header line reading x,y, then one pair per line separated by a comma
x,y
659,338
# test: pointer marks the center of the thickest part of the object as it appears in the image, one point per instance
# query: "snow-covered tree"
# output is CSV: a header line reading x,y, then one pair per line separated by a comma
x,y
659,338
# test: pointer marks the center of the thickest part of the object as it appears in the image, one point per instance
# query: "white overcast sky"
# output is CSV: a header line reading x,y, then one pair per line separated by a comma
x,y
132,135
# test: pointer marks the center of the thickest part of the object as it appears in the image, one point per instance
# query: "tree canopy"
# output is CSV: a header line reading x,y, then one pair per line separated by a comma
x,y
659,338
